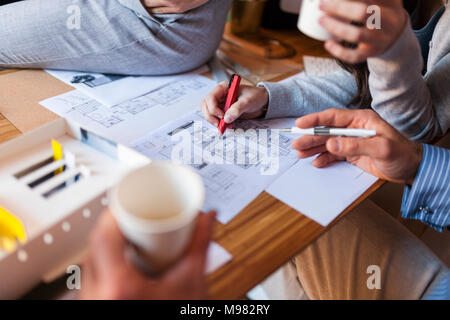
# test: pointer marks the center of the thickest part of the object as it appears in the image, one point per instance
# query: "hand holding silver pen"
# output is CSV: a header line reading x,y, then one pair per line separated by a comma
x,y
388,155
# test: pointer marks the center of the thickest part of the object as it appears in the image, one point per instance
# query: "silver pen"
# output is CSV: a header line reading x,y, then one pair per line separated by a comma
x,y
344,132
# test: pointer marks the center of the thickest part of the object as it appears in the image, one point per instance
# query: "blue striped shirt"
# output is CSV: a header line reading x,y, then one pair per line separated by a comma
x,y
428,200
441,291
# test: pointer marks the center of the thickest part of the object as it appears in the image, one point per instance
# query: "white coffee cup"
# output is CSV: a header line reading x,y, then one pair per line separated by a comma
x,y
156,208
308,22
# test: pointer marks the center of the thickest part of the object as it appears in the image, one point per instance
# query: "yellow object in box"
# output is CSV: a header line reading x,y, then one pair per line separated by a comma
x,y
11,231
57,153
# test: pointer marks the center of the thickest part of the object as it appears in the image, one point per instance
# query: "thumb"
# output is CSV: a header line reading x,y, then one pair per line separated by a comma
x,y
202,238
194,260
107,244
234,112
353,147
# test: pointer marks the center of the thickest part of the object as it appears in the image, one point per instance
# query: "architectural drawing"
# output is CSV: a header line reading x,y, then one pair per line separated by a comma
x,y
98,113
230,184
80,106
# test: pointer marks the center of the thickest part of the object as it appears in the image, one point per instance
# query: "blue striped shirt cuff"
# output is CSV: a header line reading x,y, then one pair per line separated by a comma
x,y
441,291
428,199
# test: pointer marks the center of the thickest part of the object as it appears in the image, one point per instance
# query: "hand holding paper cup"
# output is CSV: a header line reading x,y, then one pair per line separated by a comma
x,y
156,208
308,22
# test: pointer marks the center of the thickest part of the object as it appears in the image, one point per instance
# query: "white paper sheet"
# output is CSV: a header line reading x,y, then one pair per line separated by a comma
x,y
111,90
316,66
321,194
136,117
217,257
230,184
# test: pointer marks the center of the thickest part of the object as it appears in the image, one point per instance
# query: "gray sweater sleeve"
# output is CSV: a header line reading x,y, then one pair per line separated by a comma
x,y
438,81
299,96
400,92
415,105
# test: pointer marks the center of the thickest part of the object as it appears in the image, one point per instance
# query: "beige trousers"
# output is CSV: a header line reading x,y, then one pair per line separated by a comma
x,y
344,262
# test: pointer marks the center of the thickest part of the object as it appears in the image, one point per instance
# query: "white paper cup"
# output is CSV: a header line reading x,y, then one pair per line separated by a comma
x,y
308,22
156,208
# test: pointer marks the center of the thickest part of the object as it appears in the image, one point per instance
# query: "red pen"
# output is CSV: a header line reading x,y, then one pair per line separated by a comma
x,y
233,89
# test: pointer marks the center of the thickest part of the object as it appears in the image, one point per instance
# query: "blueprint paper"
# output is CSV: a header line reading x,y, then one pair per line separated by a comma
x,y
145,121
111,90
133,118
230,186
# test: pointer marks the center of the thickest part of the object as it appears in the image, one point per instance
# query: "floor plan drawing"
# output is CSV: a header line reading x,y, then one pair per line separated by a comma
x,y
133,118
96,112
231,181
111,90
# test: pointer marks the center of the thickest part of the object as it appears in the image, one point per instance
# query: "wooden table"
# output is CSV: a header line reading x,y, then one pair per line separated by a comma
x,y
266,234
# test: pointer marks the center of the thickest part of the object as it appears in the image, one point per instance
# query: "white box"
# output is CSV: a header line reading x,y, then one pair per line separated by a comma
x,y
58,213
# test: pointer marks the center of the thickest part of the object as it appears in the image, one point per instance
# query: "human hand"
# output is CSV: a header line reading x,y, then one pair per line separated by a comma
x,y
107,274
171,6
370,43
388,155
250,104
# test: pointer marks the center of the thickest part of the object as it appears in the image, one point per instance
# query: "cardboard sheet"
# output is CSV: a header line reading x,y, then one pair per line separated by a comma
x,y
20,93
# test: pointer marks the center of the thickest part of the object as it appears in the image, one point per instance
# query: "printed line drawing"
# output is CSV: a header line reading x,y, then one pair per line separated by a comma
x,y
173,91
96,112
230,184
137,105
95,81
221,182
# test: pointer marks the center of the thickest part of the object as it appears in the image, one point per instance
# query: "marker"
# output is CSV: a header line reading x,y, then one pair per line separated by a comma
x,y
359,133
233,89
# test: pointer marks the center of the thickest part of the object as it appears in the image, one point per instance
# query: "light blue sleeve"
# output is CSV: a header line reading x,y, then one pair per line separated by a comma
x,y
303,95
428,199
415,105
438,81
136,6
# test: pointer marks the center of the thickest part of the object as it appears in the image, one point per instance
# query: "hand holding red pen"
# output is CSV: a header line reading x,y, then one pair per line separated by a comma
x,y
232,96
250,104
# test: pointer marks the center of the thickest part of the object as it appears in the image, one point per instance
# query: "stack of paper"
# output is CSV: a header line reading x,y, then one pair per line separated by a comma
x,y
135,117
147,123
111,90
